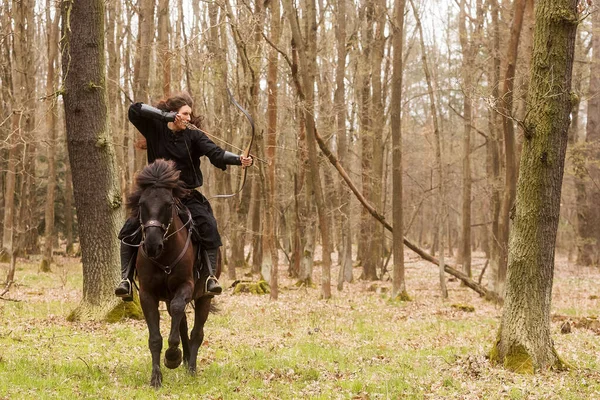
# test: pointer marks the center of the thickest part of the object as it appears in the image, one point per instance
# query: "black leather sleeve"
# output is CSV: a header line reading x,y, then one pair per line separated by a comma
x,y
147,111
231,159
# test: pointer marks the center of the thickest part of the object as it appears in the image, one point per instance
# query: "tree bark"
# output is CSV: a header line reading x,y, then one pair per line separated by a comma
x,y
163,51
51,84
398,282
69,237
506,113
95,178
493,144
588,172
524,342
378,118
345,246
363,83
141,72
270,243
469,45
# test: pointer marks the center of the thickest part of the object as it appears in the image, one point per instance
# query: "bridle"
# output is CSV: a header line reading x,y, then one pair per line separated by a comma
x,y
153,223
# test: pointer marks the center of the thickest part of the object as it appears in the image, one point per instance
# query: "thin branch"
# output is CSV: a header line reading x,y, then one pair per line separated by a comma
x,y
277,49
470,125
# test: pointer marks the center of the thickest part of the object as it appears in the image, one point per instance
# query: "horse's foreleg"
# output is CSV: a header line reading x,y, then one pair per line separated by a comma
x,y
149,305
185,340
197,335
173,355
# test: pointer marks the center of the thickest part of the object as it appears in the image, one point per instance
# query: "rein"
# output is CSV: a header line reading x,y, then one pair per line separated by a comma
x,y
167,269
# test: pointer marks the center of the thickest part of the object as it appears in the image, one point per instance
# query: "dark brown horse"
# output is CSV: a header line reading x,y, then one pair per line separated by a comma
x,y
165,266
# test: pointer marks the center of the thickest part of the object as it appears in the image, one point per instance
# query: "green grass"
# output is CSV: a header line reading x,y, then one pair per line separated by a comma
x,y
357,345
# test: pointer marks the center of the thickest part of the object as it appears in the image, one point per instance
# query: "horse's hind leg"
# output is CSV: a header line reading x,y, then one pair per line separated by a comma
x,y
173,356
150,307
197,335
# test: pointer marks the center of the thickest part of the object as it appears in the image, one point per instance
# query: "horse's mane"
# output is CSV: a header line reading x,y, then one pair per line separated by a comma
x,y
161,174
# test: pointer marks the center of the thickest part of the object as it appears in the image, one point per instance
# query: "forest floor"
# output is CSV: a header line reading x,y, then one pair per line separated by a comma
x,y
357,345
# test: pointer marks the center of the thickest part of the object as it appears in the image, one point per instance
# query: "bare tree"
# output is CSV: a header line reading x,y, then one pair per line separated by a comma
x,y
51,121
271,239
469,45
307,52
163,51
589,173
442,213
510,150
345,256
399,284
141,73
524,340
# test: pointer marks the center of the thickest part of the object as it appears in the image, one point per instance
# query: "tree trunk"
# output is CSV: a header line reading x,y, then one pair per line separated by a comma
x,y
258,184
441,220
95,178
6,89
524,341
345,252
270,243
510,180
255,227
588,174
469,47
378,118
69,237
367,226
141,73
18,122
308,53
493,145
398,283
577,155
51,84
163,51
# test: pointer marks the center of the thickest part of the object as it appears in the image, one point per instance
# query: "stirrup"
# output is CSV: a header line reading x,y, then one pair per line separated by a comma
x,y
129,293
218,288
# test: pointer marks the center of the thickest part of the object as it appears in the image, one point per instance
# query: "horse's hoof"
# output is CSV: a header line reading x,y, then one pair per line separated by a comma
x,y
173,358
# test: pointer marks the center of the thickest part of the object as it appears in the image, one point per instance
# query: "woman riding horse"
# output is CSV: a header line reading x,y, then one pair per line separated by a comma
x,y
167,135
165,266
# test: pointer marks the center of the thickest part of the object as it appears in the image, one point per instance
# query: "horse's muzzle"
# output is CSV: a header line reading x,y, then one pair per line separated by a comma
x,y
153,244
153,251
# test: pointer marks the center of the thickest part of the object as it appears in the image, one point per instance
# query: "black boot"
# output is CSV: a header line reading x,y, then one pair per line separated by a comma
x,y
210,260
128,256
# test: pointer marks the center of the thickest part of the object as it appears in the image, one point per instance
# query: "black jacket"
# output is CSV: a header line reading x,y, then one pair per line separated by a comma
x,y
184,147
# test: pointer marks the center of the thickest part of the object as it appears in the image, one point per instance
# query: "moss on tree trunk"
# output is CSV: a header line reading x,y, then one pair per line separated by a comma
x,y
92,158
524,342
113,311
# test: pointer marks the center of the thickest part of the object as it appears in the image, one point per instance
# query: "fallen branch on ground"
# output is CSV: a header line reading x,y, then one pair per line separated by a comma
x,y
6,288
422,253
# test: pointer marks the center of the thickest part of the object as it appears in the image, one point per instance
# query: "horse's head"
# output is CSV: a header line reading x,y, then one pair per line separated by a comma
x,y
152,202
156,216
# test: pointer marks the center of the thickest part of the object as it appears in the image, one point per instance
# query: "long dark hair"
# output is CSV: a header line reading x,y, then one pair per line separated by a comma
x,y
178,100
161,174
